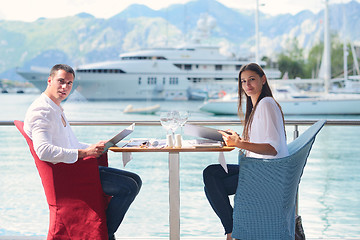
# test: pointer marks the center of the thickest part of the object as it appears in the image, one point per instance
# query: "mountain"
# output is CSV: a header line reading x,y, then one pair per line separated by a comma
x,y
82,38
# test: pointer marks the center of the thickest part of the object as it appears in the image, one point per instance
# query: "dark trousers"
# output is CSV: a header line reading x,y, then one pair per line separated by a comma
x,y
123,186
218,186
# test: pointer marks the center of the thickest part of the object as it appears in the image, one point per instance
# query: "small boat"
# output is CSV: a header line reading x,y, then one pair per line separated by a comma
x,y
144,110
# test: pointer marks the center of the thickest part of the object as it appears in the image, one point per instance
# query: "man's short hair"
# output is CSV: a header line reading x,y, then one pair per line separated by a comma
x,y
64,67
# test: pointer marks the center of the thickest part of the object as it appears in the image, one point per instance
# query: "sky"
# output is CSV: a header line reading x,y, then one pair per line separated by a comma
x,y
31,10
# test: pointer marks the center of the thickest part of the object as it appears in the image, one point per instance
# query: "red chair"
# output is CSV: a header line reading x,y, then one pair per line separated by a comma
x,y
76,200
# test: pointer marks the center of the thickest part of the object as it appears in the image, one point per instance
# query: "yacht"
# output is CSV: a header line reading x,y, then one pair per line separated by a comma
x,y
187,72
293,103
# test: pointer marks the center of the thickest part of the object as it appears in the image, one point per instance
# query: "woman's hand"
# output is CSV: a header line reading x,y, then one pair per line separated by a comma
x,y
231,138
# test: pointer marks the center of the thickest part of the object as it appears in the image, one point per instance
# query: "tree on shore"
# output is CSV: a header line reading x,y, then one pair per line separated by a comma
x,y
292,61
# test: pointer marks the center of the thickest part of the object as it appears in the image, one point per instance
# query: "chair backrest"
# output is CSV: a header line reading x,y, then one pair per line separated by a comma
x,y
74,194
43,167
264,204
306,137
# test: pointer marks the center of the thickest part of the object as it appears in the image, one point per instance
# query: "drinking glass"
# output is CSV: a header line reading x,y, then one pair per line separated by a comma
x,y
184,116
165,120
174,121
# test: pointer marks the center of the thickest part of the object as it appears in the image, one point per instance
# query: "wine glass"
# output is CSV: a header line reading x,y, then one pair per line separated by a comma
x,y
184,116
165,119
174,121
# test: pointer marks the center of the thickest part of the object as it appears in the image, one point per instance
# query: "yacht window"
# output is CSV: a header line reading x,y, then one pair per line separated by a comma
x,y
194,80
151,80
218,67
173,80
139,82
187,66
218,79
237,67
163,81
178,65
143,58
100,70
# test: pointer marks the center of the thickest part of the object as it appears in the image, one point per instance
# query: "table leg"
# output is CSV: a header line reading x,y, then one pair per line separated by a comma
x,y
174,196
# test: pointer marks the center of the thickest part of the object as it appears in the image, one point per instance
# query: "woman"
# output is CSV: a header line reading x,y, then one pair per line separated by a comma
x,y
263,137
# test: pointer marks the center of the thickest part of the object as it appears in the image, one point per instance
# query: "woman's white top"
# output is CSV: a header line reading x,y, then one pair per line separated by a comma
x,y
268,127
54,141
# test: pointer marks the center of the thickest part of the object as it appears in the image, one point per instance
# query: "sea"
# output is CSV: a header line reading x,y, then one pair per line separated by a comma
x,y
329,195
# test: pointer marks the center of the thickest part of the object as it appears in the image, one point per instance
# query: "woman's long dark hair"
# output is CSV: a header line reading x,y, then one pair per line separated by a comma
x,y
250,109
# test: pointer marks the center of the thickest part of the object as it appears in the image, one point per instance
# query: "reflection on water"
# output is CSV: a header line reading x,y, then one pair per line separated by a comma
x,y
329,189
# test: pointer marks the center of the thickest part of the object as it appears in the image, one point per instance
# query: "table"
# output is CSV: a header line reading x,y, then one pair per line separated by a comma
x,y
174,178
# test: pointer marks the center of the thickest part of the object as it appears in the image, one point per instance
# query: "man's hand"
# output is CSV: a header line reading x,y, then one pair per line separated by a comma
x,y
94,150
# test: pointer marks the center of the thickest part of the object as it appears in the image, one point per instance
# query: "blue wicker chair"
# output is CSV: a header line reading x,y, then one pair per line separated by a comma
x,y
264,203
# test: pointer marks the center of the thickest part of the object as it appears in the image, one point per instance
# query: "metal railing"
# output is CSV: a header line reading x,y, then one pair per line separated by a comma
x,y
342,122
295,123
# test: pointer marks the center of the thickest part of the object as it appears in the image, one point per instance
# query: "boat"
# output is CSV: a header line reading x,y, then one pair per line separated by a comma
x,y
329,104
143,110
294,101
156,74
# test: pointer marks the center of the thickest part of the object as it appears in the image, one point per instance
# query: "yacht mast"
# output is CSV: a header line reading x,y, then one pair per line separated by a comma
x,y
345,50
257,50
327,49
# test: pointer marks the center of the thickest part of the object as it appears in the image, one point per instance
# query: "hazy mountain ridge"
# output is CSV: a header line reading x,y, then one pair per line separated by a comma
x,y
83,38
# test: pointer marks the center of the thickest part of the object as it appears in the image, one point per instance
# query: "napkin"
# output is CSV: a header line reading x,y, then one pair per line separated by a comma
x,y
222,161
126,157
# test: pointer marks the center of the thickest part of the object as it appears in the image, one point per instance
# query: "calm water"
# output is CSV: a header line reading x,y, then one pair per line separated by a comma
x,y
329,190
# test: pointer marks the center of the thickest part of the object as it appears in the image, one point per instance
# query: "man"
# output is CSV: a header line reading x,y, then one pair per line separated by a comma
x,y
54,141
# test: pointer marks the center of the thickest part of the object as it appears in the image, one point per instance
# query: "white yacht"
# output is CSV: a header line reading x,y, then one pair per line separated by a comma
x,y
293,103
188,72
